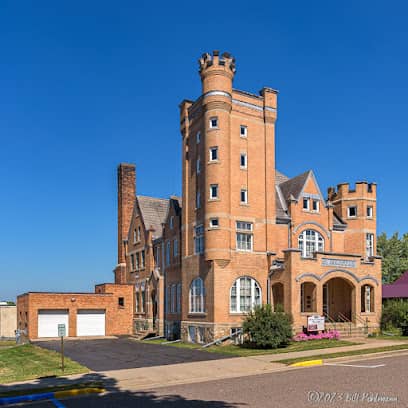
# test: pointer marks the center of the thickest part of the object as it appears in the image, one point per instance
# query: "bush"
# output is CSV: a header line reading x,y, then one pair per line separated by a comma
x,y
265,328
395,316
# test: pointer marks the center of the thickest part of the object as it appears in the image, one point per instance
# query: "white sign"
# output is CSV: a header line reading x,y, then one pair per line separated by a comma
x,y
315,323
62,331
345,263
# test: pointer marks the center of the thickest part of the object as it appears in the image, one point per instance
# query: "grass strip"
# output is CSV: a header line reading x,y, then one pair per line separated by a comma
x,y
242,351
26,362
345,353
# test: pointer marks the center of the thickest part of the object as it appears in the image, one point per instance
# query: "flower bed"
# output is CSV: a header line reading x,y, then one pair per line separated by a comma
x,y
330,335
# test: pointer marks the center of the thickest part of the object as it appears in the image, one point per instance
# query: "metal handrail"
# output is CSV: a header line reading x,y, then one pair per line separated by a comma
x,y
361,320
221,339
332,321
345,319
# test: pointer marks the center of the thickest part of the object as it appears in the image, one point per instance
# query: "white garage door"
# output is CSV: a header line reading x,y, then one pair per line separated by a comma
x,y
48,321
91,322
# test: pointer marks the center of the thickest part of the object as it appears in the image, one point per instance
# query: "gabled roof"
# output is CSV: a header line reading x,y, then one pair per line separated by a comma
x,y
153,211
402,280
294,186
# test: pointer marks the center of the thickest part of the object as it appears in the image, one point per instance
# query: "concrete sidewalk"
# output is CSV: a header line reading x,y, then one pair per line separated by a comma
x,y
158,376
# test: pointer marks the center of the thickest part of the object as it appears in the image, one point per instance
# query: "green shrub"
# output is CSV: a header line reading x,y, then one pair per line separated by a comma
x,y
265,328
395,316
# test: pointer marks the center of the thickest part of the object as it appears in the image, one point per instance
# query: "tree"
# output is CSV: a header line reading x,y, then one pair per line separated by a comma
x,y
266,328
394,251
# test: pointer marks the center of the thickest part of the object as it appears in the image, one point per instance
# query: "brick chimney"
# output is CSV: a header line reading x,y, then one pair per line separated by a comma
x,y
126,202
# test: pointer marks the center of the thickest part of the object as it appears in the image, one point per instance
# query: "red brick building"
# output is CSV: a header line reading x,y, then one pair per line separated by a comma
x,y
106,312
244,233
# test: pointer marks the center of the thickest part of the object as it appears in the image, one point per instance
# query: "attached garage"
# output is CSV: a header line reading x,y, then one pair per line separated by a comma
x,y
48,321
90,322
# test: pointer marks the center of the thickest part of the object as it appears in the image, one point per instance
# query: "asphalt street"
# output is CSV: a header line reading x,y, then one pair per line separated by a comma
x,y
379,382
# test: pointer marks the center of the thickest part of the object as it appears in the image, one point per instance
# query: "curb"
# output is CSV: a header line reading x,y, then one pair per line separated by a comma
x,y
50,396
308,363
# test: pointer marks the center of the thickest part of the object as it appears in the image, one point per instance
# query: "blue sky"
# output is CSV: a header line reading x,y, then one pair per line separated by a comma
x,y
85,85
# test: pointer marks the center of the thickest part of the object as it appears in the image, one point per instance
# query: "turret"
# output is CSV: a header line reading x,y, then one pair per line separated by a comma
x,y
217,72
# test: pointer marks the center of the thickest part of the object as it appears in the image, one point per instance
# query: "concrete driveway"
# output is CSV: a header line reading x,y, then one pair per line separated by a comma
x,y
124,353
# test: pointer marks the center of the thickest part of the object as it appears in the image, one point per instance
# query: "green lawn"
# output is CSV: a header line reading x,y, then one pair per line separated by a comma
x,y
242,351
26,362
7,343
346,353
385,337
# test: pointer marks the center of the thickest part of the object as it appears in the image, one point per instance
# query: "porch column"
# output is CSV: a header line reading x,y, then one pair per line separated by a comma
x,y
319,299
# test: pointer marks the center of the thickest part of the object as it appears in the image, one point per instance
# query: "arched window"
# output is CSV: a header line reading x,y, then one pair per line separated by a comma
x,y
245,294
197,295
310,241
367,299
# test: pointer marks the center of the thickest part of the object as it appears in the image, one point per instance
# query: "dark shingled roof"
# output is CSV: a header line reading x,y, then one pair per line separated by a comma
x,y
279,179
398,289
294,186
154,212
338,221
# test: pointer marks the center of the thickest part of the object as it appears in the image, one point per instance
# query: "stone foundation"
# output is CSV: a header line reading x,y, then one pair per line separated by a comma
x,y
203,332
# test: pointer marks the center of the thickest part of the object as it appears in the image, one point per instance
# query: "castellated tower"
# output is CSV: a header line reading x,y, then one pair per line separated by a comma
x,y
358,208
228,195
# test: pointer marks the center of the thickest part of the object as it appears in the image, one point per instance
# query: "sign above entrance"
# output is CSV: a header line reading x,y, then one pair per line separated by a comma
x,y
315,323
344,263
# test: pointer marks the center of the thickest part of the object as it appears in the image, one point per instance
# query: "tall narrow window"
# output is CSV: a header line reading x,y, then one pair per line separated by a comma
x,y
369,245
244,236
197,296
243,161
139,233
132,261
243,131
199,239
214,153
370,212
173,298
244,196
137,261
213,191
168,253
198,165
171,222
315,205
367,299
143,263
309,242
135,236
175,248
179,298
198,137
198,200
